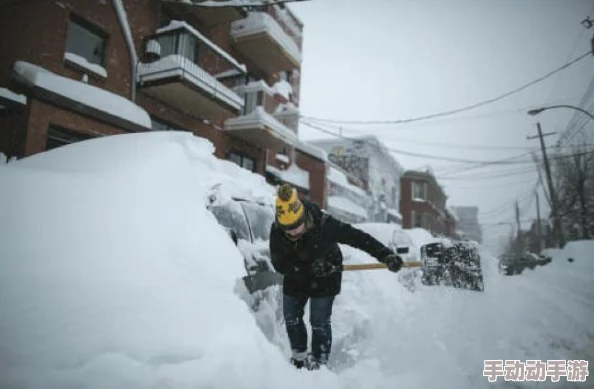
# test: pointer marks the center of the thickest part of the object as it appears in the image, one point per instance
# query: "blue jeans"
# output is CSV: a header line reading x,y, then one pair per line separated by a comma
x,y
321,328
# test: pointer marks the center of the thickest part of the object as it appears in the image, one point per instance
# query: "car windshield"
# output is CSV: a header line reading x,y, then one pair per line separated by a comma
x,y
231,216
260,218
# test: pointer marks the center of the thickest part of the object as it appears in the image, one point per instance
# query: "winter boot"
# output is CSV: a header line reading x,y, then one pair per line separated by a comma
x,y
299,360
314,363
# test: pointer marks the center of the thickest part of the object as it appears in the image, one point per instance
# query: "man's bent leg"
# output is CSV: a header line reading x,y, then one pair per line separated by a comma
x,y
293,310
321,328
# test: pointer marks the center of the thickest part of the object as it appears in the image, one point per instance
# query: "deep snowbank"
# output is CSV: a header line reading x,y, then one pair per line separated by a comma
x,y
113,274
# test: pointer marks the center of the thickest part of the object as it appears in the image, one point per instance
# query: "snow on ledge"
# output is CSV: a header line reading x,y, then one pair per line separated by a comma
x,y
10,95
255,86
89,95
282,158
345,205
283,88
395,213
176,24
293,175
314,151
261,119
258,22
83,63
339,178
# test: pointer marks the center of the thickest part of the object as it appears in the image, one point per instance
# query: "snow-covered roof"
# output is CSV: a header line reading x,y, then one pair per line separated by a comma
x,y
292,175
7,94
97,70
394,212
257,22
177,24
345,205
177,65
81,92
339,178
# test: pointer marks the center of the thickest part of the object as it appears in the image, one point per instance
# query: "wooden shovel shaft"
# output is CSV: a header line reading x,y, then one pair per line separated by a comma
x,y
371,266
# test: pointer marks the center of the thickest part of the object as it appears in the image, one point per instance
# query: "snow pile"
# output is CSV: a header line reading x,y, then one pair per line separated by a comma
x,y
293,175
83,63
7,94
283,88
91,96
126,280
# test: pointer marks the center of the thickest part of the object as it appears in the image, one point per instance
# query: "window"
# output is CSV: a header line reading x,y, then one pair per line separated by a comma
x,y
416,219
242,160
158,125
418,191
86,41
57,137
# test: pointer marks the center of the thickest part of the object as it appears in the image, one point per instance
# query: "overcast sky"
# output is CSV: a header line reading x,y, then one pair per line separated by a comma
x,y
395,59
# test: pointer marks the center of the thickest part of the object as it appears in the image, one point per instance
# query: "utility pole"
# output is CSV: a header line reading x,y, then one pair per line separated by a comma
x,y
520,243
554,203
538,225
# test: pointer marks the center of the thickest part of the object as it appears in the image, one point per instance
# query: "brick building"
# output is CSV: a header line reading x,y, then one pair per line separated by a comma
x,y
76,69
423,203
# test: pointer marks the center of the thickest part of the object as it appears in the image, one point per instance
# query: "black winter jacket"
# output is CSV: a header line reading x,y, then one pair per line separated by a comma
x,y
320,242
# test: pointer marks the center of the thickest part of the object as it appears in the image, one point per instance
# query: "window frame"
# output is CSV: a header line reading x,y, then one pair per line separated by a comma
x,y
67,132
89,29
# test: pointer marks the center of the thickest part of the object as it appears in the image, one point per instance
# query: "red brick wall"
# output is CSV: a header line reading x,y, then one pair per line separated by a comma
x,y
41,40
317,176
222,141
41,115
407,206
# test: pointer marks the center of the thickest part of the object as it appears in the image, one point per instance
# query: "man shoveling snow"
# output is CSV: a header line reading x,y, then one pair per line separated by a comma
x,y
304,248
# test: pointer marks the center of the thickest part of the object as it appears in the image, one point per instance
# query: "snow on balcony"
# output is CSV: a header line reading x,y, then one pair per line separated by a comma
x,y
83,63
312,150
293,175
177,25
342,204
288,19
86,94
259,22
282,158
177,65
283,88
260,119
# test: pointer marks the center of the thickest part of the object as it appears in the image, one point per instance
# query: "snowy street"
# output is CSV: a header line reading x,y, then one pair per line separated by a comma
x,y
124,280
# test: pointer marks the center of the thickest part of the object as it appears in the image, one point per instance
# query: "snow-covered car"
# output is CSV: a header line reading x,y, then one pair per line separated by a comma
x,y
248,224
393,236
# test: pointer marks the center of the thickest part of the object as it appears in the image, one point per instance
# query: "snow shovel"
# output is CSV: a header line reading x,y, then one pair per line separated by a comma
x,y
372,266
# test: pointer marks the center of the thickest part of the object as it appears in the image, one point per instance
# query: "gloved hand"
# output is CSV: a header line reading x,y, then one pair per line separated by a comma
x,y
394,262
321,268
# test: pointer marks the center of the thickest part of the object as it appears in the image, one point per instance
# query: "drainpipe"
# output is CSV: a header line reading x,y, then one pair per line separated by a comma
x,y
123,18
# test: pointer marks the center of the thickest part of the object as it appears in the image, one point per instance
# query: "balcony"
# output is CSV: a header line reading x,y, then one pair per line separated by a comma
x,y
257,125
207,15
175,73
262,40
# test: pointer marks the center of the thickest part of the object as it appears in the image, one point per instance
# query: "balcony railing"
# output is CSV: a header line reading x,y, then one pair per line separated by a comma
x,y
262,39
180,53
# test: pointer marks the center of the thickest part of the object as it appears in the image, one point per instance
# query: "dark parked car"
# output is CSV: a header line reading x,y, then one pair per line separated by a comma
x,y
248,224
512,263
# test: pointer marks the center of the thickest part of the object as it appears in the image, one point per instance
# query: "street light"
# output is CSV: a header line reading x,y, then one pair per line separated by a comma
x,y
534,112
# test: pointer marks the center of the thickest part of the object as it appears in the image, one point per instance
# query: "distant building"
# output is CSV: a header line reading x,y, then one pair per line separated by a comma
x,y
367,159
468,222
346,199
423,203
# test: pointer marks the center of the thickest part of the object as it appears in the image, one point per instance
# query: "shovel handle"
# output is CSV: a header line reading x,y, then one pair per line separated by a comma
x,y
371,266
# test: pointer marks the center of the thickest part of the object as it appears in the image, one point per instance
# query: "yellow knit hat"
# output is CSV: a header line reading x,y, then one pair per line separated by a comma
x,y
289,209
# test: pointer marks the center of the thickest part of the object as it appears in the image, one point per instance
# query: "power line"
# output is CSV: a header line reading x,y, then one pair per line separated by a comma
x,y
458,110
410,153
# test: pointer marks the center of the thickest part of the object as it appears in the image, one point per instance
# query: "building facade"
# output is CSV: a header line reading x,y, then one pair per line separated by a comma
x,y
468,223
367,159
423,203
71,70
